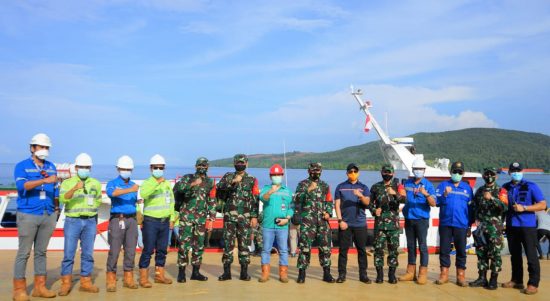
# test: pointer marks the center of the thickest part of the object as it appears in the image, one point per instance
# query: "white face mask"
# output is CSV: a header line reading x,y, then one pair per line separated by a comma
x,y
42,154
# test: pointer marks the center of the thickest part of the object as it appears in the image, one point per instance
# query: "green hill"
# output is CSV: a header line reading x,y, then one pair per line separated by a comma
x,y
476,147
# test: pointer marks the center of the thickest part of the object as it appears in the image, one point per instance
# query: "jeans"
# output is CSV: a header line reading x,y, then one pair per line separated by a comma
x,y
417,230
270,235
526,237
33,230
155,238
447,235
84,230
176,232
346,237
540,234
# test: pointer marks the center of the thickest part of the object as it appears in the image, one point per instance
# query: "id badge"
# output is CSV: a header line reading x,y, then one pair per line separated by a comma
x,y
42,195
122,225
90,200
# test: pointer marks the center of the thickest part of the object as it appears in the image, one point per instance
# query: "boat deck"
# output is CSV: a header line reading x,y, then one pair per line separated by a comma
x,y
313,289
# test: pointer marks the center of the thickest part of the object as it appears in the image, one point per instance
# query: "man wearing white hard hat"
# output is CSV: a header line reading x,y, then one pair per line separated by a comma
x,y
123,230
36,180
81,196
158,212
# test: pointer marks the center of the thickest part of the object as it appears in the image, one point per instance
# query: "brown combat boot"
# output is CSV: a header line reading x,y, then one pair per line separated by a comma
x,y
422,275
66,282
530,290
129,280
283,273
443,277
86,285
513,284
159,276
40,289
144,278
266,269
461,277
410,275
111,282
20,290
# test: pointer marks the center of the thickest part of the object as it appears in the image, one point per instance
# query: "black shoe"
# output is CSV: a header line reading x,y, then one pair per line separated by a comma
x,y
196,275
301,276
181,275
327,277
391,276
244,272
379,275
493,284
364,278
226,273
481,281
341,278
540,257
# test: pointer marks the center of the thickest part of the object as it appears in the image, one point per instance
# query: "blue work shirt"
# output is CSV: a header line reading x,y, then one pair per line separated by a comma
x,y
28,201
417,206
454,209
352,209
124,203
525,193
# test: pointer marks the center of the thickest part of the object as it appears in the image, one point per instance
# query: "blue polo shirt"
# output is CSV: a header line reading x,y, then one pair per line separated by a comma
x,y
456,207
28,201
125,203
525,193
352,209
417,206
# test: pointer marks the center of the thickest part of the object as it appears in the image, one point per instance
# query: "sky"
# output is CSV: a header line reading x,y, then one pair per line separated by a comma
x,y
213,78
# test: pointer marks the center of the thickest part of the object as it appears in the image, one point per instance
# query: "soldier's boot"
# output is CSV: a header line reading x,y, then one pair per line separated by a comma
x,y
422,275
283,273
160,276
266,269
530,290
493,284
513,284
481,281
86,285
379,275
65,288
144,278
40,289
196,274
301,276
391,276
443,277
363,277
327,277
341,277
410,275
244,272
226,273
20,290
181,275
128,280
461,277
111,281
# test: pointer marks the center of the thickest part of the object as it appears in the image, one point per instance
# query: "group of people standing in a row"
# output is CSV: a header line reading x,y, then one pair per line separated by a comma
x,y
310,207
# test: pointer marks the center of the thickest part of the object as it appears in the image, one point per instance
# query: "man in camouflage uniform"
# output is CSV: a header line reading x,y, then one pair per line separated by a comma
x,y
386,196
240,192
313,203
258,237
197,193
488,212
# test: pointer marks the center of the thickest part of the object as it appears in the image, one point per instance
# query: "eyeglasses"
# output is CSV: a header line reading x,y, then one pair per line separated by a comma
x,y
157,168
458,171
353,171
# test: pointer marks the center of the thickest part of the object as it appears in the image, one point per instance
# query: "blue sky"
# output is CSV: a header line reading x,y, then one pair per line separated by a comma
x,y
213,78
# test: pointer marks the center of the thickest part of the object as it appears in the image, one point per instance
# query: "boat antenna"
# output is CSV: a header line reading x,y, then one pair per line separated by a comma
x,y
284,162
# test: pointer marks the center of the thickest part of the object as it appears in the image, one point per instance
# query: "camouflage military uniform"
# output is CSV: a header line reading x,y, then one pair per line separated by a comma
x,y
258,237
311,206
489,214
241,204
198,204
386,226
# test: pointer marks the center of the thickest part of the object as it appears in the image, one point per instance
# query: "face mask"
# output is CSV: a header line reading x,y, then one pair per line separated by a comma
x,y
158,173
517,176
125,174
83,173
202,170
418,173
456,177
277,180
314,176
387,177
489,179
353,176
240,167
42,154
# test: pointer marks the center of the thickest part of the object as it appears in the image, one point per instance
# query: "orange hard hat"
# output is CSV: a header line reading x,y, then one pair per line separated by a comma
x,y
276,169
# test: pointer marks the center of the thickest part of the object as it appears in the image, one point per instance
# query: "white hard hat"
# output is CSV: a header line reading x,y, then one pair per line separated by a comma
x,y
83,159
41,139
157,160
419,163
125,162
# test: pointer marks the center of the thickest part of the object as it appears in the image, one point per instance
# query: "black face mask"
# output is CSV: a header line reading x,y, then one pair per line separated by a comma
x,y
387,177
489,179
314,176
240,167
202,170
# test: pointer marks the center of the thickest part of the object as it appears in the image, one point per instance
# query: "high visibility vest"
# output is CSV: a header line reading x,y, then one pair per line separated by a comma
x,y
158,198
85,201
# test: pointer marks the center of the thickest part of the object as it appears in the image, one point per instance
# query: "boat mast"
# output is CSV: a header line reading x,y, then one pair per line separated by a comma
x,y
365,108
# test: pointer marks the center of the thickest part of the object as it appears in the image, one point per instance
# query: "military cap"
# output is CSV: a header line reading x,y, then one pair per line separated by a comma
x,y
240,158
457,166
315,165
387,168
490,169
515,166
201,160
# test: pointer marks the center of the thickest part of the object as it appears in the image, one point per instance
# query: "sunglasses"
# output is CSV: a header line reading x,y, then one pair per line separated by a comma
x,y
157,168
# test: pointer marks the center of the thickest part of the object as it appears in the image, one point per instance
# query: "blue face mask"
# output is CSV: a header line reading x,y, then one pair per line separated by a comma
x,y
418,173
83,173
517,176
456,177
277,180
125,174
157,173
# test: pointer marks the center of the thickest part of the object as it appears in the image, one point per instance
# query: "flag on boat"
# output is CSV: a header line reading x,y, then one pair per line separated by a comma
x,y
368,124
